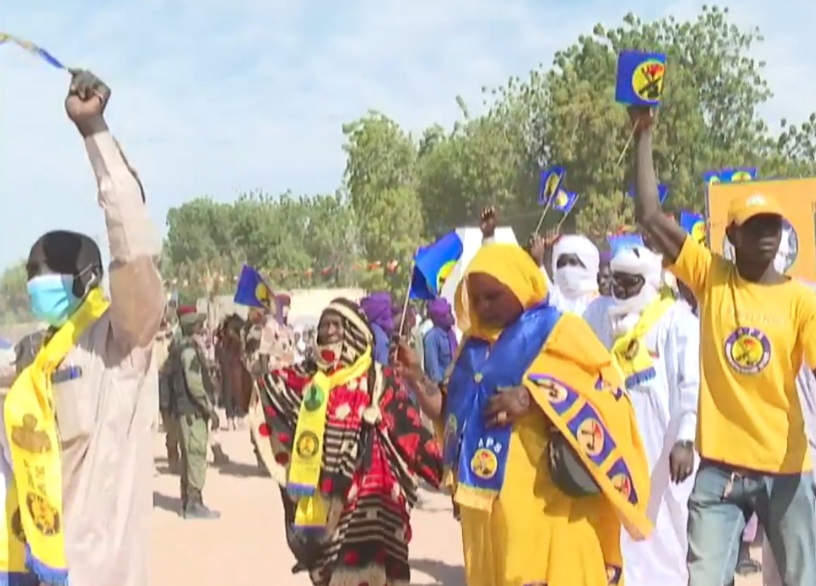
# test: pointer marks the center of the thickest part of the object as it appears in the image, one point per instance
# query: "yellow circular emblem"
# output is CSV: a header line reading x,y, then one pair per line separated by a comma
x,y
748,350
740,176
561,199
556,392
623,484
46,518
591,436
307,445
551,185
631,350
713,179
262,292
647,80
698,232
484,463
443,274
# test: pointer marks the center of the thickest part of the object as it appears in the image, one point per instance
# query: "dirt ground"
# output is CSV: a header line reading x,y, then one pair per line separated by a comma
x,y
247,545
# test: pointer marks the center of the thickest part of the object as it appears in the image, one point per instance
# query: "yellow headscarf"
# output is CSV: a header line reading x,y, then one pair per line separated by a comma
x,y
510,265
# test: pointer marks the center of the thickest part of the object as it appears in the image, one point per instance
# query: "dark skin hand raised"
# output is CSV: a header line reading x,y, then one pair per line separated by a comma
x,y
488,220
665,235
85,104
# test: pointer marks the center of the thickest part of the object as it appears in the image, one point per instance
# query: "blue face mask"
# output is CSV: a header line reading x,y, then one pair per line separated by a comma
x,y
52,298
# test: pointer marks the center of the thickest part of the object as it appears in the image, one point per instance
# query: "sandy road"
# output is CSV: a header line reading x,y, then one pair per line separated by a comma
x,y
247,545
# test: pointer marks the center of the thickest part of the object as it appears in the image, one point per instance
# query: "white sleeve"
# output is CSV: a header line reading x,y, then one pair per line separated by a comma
x,y
683,362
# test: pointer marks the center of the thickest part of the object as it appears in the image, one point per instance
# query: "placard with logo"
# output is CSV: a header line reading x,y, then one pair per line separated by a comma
x,y
797,198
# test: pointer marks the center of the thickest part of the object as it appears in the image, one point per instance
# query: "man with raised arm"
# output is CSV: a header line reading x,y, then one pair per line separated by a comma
x,y
756,325
78,418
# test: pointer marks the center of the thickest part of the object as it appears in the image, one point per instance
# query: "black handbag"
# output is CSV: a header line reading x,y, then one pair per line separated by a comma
x,y
568,472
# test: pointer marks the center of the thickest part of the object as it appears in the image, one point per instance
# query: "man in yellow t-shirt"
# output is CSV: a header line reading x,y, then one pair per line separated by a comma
x,y
756,325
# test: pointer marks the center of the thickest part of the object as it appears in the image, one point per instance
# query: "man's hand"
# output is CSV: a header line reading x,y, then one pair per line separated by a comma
x,y
681,461
488,220
215,421
407,362
642,117
507,405
86,102
538,245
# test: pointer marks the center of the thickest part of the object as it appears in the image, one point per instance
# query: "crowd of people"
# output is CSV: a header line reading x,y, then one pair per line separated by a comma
x,y
597,419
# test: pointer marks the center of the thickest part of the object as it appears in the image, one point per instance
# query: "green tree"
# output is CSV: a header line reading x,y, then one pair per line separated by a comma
x,y
381,181
14,304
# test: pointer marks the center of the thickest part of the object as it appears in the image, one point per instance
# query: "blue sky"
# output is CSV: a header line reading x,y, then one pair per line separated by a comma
x,y
215,97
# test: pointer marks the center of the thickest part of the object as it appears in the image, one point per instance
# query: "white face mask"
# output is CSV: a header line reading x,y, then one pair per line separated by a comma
x,y
574,281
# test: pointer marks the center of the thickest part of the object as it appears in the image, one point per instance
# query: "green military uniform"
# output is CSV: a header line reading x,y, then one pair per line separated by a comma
x,y
167,375
194,413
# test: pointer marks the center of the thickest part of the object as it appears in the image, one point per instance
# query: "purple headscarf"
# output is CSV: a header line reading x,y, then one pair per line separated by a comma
x,y
378,309
441,314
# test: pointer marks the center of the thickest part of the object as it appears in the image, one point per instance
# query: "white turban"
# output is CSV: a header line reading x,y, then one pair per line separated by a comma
x,y
576,281
635,260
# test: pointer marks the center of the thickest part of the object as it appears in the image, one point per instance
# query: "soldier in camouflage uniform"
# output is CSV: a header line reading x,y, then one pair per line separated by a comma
x,y
167,377
195,413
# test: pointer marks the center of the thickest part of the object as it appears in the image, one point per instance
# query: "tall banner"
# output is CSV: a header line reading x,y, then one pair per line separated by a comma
x,y
796,196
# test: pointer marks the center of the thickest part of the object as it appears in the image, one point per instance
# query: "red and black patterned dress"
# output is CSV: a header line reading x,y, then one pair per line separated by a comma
x,y
371,461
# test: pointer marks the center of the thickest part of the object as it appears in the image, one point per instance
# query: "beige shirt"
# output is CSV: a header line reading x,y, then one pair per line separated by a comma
x,y
105,415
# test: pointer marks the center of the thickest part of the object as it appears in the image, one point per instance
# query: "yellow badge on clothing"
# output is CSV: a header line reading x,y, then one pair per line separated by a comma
x,y
307,448
629,350
34,513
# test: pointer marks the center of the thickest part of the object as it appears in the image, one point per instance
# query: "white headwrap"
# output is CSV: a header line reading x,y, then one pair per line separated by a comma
x,y
635,260
574,281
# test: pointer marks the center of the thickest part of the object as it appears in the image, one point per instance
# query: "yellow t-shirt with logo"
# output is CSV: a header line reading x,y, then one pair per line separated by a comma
x,y
752,340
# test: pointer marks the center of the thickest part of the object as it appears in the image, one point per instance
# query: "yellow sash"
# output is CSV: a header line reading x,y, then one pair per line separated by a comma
x,y
307,449
630,353
34,521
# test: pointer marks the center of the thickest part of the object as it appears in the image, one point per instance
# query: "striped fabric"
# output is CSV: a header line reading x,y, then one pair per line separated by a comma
x,y
369,467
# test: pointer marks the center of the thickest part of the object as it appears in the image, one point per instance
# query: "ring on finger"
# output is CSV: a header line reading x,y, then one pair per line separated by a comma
x,y
501,417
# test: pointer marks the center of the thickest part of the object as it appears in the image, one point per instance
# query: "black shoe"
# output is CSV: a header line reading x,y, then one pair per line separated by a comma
x,y
199,510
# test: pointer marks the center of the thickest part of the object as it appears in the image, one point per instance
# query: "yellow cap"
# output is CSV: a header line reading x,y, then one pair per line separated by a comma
x,y
746,207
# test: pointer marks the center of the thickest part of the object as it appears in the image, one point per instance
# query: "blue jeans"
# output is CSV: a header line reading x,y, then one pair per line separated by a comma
x,y
785,505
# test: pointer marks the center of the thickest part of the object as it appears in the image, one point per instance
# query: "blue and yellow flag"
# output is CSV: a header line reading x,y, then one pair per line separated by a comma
x,y
618,242
550,183
564,201
731,175
662,192
695,225
433,265
252,289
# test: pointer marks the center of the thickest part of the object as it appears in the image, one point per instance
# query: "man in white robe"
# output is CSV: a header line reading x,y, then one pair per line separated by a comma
x,y
665,407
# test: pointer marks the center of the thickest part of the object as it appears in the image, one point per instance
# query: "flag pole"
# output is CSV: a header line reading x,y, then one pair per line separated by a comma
x,y
405,301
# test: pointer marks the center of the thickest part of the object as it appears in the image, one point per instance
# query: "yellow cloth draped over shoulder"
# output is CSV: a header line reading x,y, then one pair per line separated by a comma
x,y
534,533
34,540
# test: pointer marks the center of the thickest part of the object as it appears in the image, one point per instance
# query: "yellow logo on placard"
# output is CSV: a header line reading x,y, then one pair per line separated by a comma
x,y
740,176
561,199
647,80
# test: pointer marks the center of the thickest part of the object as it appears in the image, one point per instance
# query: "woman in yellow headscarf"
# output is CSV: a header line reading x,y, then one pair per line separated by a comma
x,y
541,450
